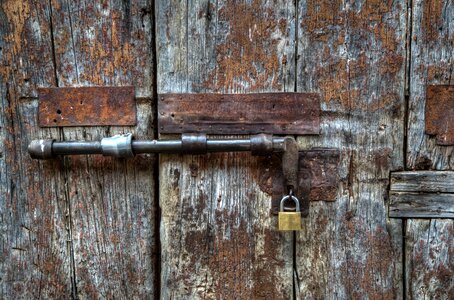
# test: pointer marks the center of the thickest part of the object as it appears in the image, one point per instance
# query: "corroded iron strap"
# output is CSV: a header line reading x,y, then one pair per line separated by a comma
x,y
125,146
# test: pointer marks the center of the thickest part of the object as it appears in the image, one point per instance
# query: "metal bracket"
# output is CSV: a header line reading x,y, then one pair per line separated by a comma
x,y
440,113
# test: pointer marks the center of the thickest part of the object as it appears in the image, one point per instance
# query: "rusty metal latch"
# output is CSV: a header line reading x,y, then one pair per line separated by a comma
x,y
305,174
124,146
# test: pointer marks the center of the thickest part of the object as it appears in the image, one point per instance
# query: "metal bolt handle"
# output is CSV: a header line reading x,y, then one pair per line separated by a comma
x,y
125,146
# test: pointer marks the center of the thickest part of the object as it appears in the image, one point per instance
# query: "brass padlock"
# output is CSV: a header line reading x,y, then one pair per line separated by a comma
x,y
289,221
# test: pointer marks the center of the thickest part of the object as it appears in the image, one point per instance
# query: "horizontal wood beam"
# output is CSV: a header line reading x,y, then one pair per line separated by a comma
x,y
422,194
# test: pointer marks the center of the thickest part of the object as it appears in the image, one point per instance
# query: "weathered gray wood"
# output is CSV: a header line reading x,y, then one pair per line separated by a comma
x,y
432,58
34,253
217,235
429,243
423,181
112,206
421,205
353,53
430,259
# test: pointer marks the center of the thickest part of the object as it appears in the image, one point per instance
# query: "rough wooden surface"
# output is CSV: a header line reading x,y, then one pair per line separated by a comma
x,y
353,53
423,181
84,226
430,259
76,227
35,260
422,194
421,205
112,209
432,60
218,237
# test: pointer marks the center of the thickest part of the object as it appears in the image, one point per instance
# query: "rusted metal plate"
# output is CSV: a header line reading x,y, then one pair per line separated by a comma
x,y
318,177
277,113
87,106
440,113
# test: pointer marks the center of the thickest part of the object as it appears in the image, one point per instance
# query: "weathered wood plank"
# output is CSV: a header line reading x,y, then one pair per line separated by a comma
x,y
218,237
430,259
112,205
423,181
34,252
353,53
432,58
431,61
421,205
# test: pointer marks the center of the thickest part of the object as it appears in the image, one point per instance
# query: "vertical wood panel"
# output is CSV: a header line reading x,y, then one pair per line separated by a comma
x,y
353,53
34,253
429,247
112,208
432,60
218,237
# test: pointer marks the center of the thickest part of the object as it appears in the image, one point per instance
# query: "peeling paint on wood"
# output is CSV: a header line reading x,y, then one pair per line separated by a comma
x,y
430,259
34,257
429,244
432,60
353,53
112,205
218,237
83,227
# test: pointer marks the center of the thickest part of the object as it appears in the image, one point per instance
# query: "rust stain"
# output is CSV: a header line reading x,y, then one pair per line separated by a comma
x,y
248,57
276,113
318,177
343,80
432,19
105,47
439,114
17,13
376,261
229,263
430,271
86,106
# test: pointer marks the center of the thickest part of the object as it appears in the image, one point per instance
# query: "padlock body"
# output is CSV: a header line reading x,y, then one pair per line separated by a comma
x,y
289,221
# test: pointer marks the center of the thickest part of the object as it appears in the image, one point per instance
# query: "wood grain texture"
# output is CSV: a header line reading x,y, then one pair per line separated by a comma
x,y
353,53
34,249
423,181
432,60
429,243
421,205
422,194
430,259
112,205
218,237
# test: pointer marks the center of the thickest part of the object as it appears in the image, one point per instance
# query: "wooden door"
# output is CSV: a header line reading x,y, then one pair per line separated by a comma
x,y
200,226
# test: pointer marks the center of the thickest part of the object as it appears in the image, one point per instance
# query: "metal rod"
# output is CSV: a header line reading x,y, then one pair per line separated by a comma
x,y
156,146
125,146
76,147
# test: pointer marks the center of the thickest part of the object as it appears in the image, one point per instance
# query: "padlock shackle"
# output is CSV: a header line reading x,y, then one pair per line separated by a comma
x,y
287,197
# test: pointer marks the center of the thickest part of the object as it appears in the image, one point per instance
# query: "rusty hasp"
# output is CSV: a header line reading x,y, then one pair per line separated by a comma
x,y
440,113
87,106
274,113
317,178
